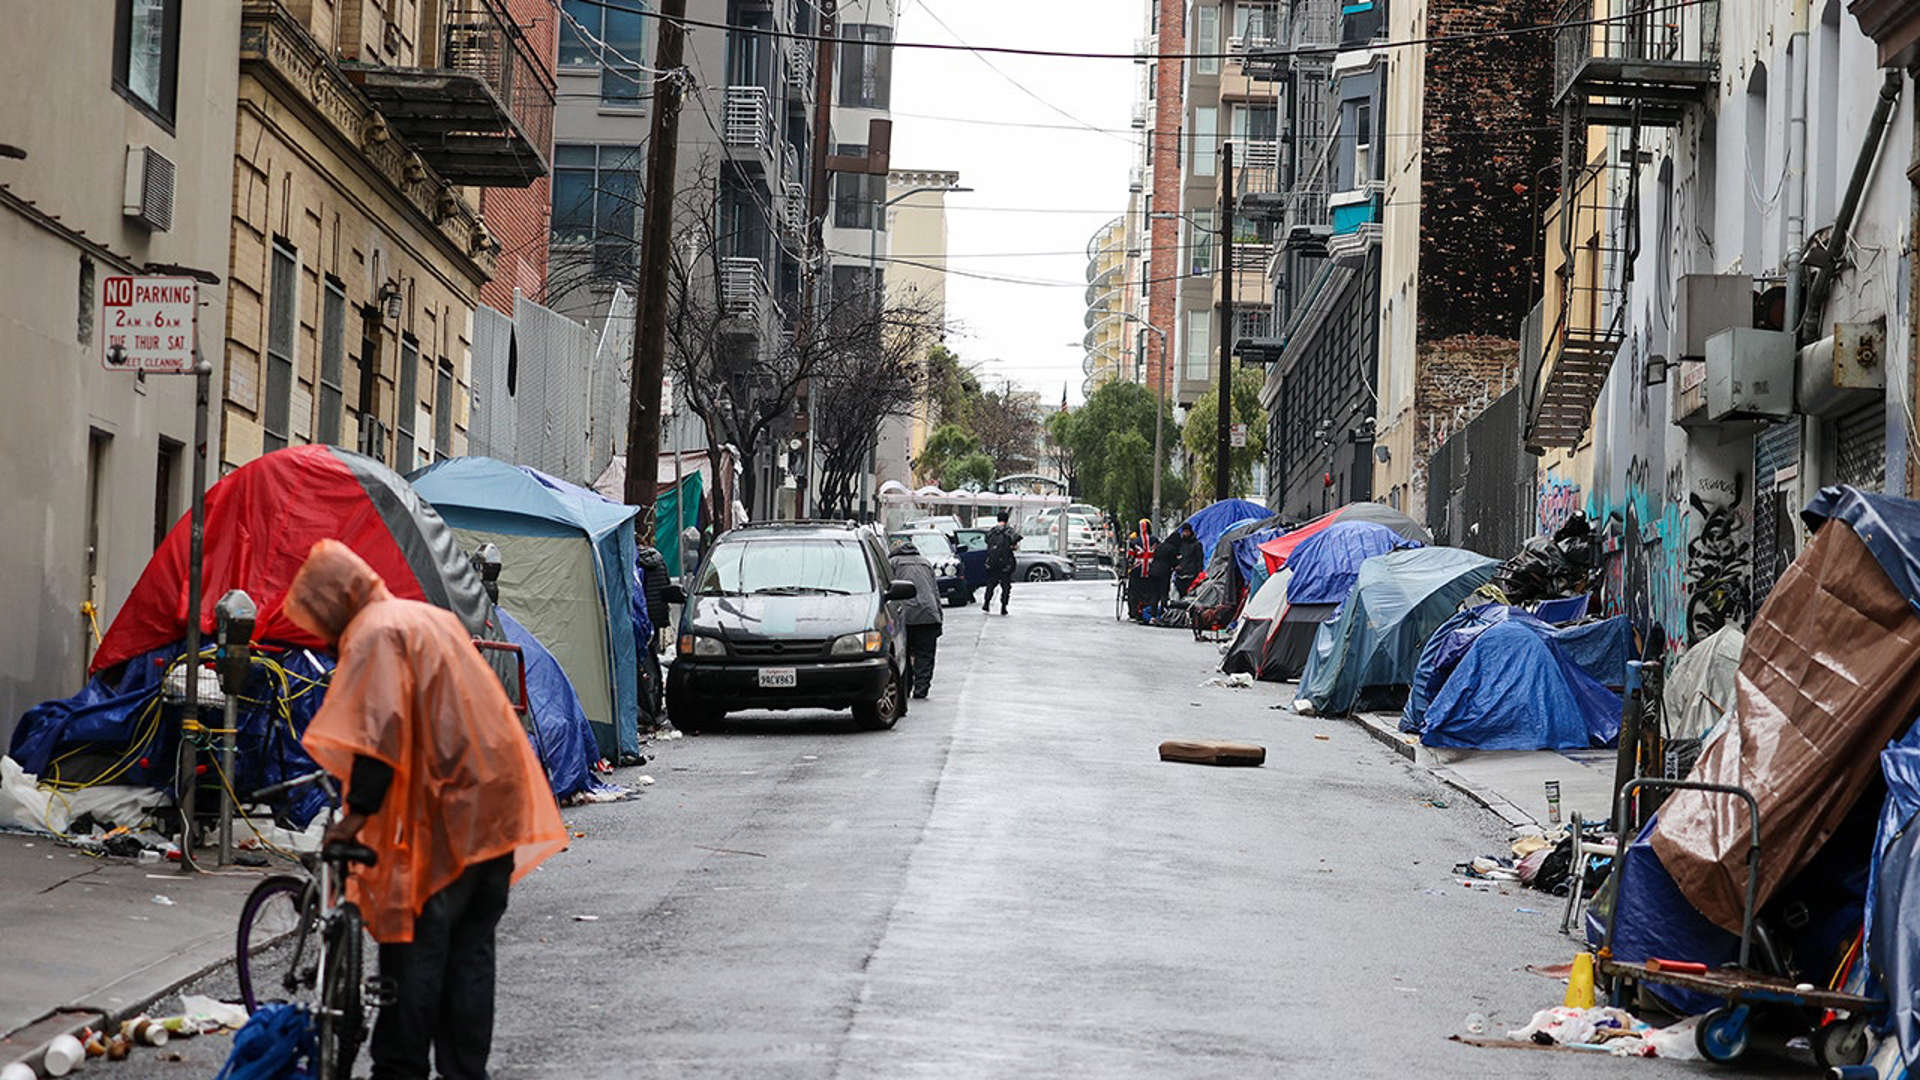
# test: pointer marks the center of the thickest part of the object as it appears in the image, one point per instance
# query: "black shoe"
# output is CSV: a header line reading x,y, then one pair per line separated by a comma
x,y
919,695
1003,609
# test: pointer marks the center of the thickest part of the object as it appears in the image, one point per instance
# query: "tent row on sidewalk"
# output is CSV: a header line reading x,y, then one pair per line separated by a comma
x,y
572,613
1363,612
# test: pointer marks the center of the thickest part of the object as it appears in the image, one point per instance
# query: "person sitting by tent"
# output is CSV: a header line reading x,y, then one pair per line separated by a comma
x,y
1193,559
921,614
1140,548
441,779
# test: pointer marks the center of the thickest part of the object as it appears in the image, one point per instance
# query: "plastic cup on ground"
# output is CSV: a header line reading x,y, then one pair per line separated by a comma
x,y
64,1054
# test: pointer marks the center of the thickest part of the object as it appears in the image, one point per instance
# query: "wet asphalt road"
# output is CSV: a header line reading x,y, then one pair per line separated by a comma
x,y
1010,884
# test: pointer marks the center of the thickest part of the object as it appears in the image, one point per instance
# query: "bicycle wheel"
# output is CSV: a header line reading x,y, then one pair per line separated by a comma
x,y
274,952
343,1018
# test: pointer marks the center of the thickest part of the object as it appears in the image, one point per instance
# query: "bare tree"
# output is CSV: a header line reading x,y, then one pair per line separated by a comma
x,y
871,369
1008,424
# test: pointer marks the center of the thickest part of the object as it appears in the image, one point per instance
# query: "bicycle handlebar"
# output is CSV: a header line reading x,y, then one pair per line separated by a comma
x,y
318,776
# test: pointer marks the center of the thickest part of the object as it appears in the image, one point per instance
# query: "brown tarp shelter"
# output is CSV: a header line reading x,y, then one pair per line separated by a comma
x,y
1829,674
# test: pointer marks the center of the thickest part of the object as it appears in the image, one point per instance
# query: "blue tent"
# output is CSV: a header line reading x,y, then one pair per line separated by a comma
x,y
1326,566
567,558
1601,649
1210,522
561,734
1371,647
1517,690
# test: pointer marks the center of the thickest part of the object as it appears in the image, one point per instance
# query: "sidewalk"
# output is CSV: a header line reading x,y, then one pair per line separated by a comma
x,y
90,936
1511,783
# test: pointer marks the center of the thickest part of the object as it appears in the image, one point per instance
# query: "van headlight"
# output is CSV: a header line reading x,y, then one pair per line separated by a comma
x,y
856,644
698,645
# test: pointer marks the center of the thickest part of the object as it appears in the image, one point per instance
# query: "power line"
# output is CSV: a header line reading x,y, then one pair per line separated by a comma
x,y
1022,87
1275,53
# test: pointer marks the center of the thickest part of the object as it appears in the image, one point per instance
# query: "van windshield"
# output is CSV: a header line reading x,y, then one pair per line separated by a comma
x,y
774,567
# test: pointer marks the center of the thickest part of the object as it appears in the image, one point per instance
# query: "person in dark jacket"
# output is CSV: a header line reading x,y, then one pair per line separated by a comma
x,y
921,614
1193,558
1001,542
1160,572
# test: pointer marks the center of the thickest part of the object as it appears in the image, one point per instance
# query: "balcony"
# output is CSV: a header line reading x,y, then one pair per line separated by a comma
x,y
1308,38
793,202
484,115
1308,223
1651,61
743,290
1139,116
1354,224
1254,340
747,127
1137,179
799,66
1143,48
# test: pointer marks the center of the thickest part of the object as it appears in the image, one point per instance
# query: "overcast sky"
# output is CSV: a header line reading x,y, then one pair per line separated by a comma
x,y
1078,176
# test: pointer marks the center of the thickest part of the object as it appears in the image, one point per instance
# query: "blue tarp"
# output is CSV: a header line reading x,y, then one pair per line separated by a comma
x,y
1374,643
483,495
1517,690
1892,919
1326,566
1888,525
1211,521
116,714
1248,559
1656,920
1601,649
561,735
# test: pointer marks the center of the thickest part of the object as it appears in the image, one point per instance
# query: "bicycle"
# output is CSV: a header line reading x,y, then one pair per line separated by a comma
x,y
299,941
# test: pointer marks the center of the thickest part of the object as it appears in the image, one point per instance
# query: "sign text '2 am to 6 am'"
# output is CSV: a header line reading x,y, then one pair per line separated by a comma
x,y
146,323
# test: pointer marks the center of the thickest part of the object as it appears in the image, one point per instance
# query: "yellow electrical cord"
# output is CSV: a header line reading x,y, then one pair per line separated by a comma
x,y
93,619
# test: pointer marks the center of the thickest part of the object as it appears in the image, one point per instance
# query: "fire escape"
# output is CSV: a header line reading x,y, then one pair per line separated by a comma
x,y
1620,66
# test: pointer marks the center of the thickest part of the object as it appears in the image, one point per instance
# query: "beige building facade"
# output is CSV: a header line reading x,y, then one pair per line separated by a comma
x,y
97,462
917,230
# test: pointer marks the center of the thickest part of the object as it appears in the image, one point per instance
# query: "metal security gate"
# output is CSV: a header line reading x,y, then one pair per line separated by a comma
x,y
1776,464
1860,448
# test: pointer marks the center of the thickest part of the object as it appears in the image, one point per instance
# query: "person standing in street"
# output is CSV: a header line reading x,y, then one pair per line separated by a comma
x,y
441,781
1193,557
1001,542
921,614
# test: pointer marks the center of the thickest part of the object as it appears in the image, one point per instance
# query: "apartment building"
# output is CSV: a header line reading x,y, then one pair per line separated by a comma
x,y
1724,324
1156,187
365,131
98,461
1109,342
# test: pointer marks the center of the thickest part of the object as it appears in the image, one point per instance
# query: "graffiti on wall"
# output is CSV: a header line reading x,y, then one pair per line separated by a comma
x,y
1644,530
1557,499
1718,566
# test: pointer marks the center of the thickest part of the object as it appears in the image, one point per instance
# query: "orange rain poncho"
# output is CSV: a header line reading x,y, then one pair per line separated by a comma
x,y
413,692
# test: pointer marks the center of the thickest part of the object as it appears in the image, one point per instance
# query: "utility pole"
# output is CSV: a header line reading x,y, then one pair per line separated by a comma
x,y
1223,462
656,234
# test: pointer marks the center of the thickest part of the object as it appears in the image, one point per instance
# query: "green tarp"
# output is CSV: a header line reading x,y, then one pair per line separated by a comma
x,y
669,519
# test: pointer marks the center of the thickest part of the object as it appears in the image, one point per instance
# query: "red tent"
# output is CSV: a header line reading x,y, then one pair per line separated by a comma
x,y
261,521
1279,549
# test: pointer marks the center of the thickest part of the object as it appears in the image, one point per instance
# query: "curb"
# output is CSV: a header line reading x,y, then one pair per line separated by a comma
x,y
88,1016
1388,733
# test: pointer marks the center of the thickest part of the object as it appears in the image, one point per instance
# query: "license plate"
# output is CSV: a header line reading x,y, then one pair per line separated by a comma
x,y
775,677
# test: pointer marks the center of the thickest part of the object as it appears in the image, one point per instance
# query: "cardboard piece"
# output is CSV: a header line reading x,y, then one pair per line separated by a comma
x,y
1212,752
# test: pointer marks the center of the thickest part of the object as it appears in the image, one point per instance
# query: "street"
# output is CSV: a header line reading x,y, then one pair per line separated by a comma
x,y
1011,884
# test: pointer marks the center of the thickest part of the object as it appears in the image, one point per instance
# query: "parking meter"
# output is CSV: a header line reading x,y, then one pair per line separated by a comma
x,y
233,620
486,561
690,545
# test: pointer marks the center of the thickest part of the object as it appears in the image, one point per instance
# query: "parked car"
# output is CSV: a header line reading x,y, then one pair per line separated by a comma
x,y
936,546
791,616
1027,565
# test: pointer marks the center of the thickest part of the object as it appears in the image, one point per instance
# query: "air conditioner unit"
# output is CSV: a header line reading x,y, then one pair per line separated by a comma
x,y
1750,374
1704,305
148,198
1844,370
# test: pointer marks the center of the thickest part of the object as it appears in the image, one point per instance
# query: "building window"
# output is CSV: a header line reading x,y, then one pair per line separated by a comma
x,y
1199,344
166,479
1362,143
1153,79
443,411
282,320
596,204
1255,21
407,410
613,39
1206,137
1206,22
1146,274
866,65
856,196
333,361
1200,228
146,54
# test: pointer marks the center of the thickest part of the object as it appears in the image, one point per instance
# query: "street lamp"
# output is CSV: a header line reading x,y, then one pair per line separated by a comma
x,y
873,229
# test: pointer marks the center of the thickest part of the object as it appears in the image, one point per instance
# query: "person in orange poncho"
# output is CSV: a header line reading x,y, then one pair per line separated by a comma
x,y
442,784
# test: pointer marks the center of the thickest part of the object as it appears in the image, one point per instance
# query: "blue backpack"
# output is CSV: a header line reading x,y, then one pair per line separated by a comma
x,y
278,1043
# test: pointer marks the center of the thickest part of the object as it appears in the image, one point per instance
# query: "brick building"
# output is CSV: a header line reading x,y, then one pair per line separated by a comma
x,y
1468,142
1159,184
518,217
